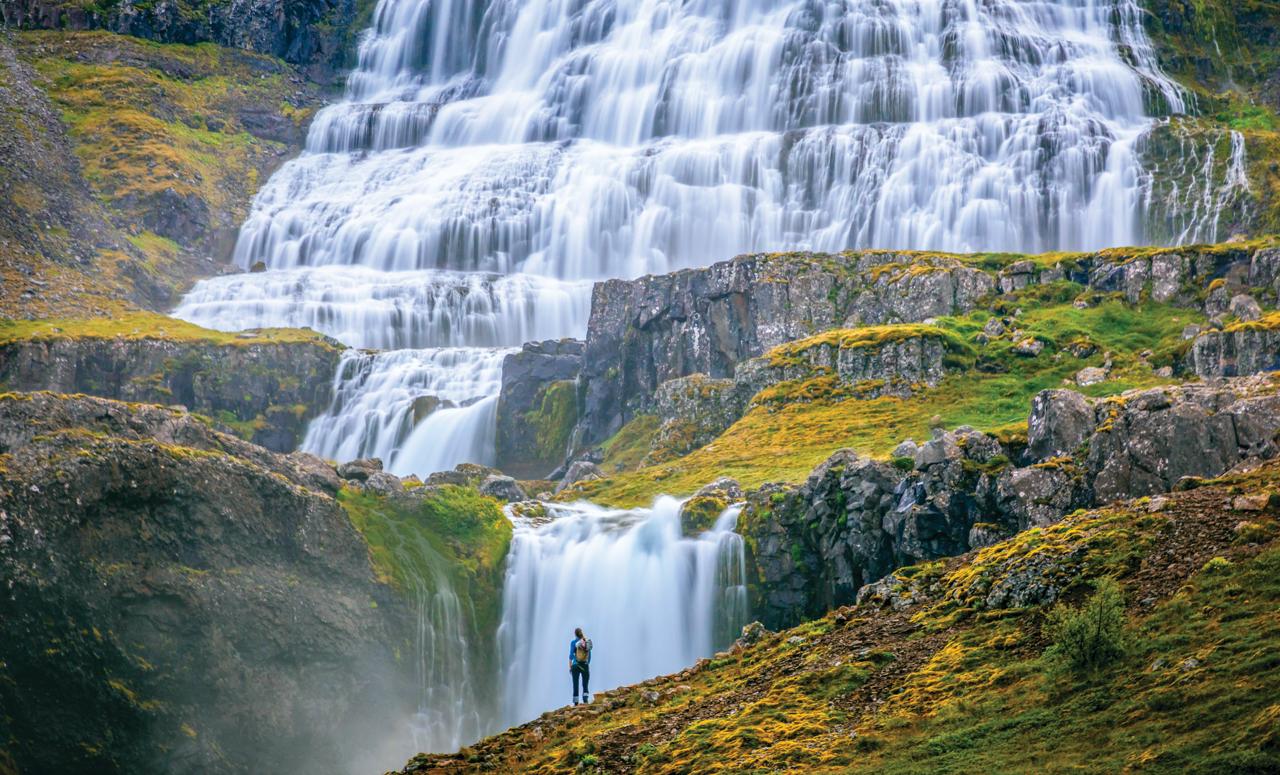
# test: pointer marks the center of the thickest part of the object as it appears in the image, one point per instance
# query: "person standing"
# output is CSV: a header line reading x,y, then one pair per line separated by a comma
x,y
580,664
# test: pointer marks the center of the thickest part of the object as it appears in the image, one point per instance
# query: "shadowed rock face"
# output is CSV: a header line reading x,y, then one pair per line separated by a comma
x,y
273,388
179,600
855,520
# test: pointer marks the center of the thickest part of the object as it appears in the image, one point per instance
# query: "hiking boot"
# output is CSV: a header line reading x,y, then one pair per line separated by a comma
x,y
586,699
575,700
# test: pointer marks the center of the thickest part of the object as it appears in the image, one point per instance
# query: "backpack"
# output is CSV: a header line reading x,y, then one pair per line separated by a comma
x,y
582,650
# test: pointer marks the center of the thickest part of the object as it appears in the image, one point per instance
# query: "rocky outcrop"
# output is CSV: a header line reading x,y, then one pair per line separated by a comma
x,y
267,391
647,331
318,35
873,360
537,406
855,519
1238,350
694,411
177,599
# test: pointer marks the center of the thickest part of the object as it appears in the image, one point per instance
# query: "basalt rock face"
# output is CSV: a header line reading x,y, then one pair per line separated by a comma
x,y
176,599
537,406
647,331
1238,350
855,520
319,35
267,391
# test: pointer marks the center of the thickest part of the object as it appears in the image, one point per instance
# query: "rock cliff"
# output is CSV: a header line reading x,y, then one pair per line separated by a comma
x,y
176,599
266,391
537,407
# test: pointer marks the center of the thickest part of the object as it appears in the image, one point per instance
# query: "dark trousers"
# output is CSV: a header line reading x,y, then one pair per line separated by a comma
x,y
583,672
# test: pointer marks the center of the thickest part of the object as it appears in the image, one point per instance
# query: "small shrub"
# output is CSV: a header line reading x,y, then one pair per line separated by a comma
x,y
1217,565
1092,637
904,463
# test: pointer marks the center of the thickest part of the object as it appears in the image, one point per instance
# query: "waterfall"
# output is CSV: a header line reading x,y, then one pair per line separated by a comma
x,y
394,310
451,711
652,601
492,157
419,410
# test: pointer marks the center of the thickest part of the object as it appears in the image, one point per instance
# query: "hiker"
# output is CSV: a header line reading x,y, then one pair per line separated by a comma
x,y
580,663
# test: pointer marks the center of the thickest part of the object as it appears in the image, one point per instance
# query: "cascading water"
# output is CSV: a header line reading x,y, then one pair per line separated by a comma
x,y
652,601
491,156
418,410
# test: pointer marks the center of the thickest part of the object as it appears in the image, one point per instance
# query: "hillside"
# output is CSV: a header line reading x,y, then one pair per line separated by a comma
x,y
934,672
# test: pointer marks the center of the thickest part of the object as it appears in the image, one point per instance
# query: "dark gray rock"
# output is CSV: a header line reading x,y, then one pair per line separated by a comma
x,y
1235,351
160,576
1244,307
1060,421
580,471
382,483
537,407
647,331
360,470
319,35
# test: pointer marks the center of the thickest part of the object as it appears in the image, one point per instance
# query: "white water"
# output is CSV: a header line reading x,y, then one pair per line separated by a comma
x,y
372,414
652,601
392,310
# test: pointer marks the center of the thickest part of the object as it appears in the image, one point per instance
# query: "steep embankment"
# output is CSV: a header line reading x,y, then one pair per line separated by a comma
x,y
128,166
948,666
178,599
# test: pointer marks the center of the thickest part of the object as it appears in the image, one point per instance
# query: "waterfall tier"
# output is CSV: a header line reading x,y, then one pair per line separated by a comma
x,y
652,601
394,310
419,410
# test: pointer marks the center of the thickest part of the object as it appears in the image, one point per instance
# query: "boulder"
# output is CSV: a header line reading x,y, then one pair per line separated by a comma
x,y
1244,307
503,488
360,470
580,471
537,407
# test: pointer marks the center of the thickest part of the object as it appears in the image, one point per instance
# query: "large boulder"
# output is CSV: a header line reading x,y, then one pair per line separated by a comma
x,y
1060,421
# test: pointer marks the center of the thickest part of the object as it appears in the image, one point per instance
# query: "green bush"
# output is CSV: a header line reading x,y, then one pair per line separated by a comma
x,y
1091,637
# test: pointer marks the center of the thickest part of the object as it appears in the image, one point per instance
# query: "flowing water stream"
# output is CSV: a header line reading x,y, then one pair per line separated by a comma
x,y
492,157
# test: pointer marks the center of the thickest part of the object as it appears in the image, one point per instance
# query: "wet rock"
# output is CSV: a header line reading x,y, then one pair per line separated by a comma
x,y
993,328
537,407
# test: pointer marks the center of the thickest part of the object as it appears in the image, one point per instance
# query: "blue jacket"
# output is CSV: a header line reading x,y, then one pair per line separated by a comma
x,y
573,656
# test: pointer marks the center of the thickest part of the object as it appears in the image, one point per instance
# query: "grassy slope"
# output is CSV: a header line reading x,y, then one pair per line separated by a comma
x,y
798,426
145,325
168,144
948,685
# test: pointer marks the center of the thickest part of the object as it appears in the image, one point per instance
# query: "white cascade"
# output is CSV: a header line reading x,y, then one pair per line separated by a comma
x,y
376,397
394,310
652,601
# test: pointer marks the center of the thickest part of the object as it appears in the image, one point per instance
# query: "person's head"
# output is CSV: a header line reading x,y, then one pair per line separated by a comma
x,y
577,631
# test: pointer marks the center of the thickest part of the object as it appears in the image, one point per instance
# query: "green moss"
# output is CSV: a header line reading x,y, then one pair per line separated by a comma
x,y
554,419
628,447
451,530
